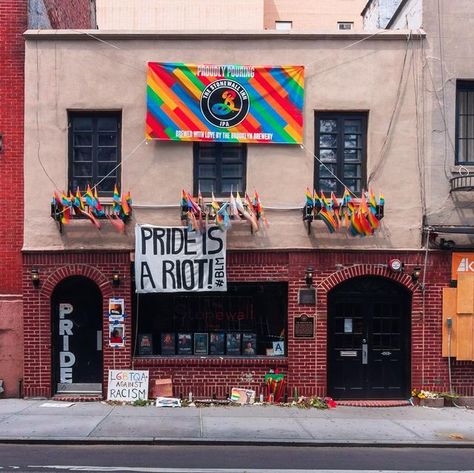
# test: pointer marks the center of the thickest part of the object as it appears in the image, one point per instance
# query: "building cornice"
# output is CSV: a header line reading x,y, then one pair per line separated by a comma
x,y
102,35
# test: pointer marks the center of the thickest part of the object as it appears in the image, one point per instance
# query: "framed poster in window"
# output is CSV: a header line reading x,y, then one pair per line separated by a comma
x,y
168,344
249,344
216,345
233,344
201,342
145,344
185,344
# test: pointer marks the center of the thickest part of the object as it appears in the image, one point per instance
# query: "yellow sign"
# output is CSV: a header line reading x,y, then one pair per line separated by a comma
x,y
462,263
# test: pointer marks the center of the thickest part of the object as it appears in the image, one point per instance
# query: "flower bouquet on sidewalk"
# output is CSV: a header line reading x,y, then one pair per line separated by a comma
x,y
423,397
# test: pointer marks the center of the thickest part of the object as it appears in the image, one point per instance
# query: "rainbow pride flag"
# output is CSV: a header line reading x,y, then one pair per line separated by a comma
x,y
225,103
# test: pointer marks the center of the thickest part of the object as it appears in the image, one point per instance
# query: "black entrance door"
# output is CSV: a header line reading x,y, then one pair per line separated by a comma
x,y
368,340
77,336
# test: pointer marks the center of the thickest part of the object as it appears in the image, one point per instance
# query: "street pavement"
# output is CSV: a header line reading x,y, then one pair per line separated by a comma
x,y
47,421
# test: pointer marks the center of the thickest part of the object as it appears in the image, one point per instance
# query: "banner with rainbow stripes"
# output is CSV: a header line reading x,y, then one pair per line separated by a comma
x,y
225,103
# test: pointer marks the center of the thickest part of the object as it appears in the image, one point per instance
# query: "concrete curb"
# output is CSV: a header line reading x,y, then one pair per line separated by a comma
x,y
236,442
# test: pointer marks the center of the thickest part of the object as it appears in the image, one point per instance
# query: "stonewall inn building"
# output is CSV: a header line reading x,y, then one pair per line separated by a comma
x,y
212,206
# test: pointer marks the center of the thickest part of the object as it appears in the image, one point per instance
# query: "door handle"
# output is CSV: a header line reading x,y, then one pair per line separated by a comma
x,y
365,356
99,340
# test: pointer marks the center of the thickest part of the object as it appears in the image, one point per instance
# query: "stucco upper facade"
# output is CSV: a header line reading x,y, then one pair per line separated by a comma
x,y
182,15
229,15
73,72
314,14
447,57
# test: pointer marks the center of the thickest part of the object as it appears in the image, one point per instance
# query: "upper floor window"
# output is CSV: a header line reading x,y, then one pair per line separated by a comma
x,y
283,25
94,150
465,122
345,25
341,144
219,168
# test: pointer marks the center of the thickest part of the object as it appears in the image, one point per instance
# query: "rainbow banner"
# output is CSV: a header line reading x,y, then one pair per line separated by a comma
x,y
225,103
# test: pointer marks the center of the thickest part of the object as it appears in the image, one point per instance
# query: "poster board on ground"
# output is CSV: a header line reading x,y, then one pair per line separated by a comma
x,y
127,385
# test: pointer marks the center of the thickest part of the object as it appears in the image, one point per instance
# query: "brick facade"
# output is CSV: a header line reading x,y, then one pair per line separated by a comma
x,y
53,268
305,363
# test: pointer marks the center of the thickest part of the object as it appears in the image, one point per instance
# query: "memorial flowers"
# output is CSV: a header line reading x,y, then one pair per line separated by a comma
x,y
424,394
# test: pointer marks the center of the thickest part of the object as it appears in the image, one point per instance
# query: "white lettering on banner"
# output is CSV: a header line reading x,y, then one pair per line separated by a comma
x,y
174,259
66,358
465,265
127,385
212,70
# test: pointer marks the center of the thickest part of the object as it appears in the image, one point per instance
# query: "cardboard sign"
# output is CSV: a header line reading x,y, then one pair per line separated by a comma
x,y
127,385
162,388
242,396
174,259
167,402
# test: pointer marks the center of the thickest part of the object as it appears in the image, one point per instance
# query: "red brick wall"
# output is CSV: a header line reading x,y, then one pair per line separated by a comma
x,y
13,22
71,14
213,377
53,268
305,365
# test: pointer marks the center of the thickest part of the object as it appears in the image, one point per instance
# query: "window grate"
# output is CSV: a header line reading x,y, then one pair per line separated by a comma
x,y
94,150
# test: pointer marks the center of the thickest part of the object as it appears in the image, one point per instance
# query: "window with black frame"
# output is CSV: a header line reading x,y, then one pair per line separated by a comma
x,y
465,122
94,150
219,168
250,319
341,145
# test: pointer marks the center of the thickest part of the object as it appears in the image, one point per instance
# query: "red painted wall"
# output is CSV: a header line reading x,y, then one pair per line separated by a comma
x,y
305,364
13,22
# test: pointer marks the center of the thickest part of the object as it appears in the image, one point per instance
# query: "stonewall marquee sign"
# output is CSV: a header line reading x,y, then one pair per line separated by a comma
x,y
225,103
174,259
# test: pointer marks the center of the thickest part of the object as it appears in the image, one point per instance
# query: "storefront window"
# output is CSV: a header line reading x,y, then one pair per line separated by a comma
x,y
250,319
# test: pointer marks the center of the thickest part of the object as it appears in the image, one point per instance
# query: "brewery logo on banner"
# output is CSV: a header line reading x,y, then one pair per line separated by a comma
x,y
174,259
224,103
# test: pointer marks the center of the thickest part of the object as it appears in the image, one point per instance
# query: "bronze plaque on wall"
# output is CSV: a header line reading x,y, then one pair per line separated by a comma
x,y
304,327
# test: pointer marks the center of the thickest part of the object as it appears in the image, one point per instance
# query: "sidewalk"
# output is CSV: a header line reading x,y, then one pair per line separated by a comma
x,y
29,421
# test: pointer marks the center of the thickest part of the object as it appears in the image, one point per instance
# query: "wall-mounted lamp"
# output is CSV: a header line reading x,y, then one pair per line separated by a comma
x,y
1,142
35,277
308,277
116,279
415,275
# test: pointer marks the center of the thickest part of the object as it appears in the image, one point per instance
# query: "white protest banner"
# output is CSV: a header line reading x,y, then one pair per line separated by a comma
x,y
174,259
127,385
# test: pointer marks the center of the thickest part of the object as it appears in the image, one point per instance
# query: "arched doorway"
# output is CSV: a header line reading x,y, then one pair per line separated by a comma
x,y
76,306
369,339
